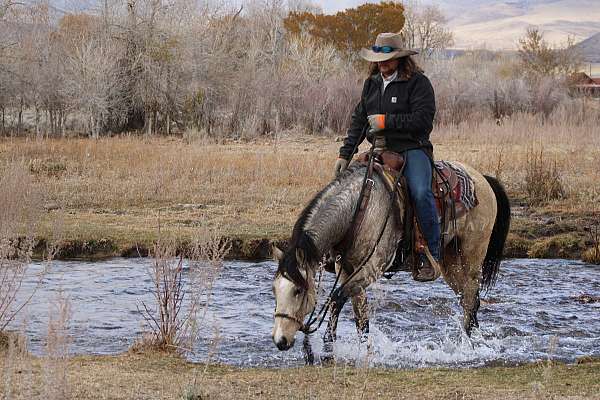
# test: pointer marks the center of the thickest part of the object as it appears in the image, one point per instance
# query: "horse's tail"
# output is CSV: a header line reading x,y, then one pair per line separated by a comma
x,y
491,263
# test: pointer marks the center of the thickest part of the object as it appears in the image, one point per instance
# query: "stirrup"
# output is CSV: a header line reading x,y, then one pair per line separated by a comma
x,y
437,270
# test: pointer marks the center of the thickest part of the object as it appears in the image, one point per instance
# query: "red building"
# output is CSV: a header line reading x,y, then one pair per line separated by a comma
x,y
582,83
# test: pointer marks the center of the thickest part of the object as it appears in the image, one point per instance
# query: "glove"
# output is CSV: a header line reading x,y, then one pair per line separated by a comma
x,y
377,122
340,165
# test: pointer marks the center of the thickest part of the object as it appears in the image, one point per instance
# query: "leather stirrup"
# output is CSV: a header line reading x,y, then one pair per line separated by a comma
x,y
437,268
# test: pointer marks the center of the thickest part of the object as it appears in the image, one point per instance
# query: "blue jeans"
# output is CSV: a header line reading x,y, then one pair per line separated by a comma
x,y
418,174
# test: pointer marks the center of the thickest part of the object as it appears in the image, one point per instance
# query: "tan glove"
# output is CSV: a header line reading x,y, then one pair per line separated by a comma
x,y
340,165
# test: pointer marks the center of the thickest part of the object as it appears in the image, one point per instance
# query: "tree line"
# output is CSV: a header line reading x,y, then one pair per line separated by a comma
x,y
173,66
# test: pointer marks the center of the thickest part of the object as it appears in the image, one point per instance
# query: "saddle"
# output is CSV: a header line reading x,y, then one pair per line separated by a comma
x,y
452,187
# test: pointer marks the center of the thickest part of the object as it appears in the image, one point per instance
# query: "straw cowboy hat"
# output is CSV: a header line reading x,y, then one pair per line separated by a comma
x,y
387,46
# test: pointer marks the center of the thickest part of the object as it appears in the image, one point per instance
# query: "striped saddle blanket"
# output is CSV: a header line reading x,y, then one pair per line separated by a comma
x,y
453,184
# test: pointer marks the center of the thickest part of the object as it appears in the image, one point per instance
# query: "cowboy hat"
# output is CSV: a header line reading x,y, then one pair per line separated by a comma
x,y
387,47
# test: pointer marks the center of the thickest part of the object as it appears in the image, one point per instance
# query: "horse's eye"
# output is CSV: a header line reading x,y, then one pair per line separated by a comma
x,y
297,292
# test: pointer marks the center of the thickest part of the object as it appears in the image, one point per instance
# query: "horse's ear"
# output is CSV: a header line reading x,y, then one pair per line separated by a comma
x,y
300,257
277,253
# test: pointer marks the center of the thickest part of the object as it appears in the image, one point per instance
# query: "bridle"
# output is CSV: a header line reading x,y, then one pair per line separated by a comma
x,y
301,326
318,318
291,318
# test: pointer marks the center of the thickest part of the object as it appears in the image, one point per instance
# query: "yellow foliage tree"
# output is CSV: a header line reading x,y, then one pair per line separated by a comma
x,y
75,29
351,29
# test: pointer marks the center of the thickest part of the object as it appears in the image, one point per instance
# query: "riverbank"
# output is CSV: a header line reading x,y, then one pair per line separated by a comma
x,y
160,376
533,235
111,197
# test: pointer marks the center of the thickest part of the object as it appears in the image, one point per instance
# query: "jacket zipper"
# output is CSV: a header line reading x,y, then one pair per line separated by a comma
x,y
380,92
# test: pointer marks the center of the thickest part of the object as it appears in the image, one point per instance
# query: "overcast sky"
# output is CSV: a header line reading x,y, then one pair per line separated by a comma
x,y
331,6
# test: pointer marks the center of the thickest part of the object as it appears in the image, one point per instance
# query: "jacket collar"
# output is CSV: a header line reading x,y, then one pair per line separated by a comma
x,y
377,78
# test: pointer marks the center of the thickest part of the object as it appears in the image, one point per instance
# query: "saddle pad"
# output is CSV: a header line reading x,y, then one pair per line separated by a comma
x,y
462,187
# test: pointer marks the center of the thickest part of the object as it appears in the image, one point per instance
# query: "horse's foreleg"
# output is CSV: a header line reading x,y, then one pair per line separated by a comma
x,y
331,331
309,357
361,315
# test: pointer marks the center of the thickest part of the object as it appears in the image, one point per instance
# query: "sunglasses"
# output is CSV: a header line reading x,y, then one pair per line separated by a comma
x,y
383,49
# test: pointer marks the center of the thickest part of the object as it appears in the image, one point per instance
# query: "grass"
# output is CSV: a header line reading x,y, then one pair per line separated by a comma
x,y
106,196
110,194
160,376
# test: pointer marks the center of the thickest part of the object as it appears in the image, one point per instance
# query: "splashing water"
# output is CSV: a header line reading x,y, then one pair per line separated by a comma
x,y
533,313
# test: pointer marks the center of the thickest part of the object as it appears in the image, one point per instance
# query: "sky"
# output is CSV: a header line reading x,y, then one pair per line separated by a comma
x,y
492,24
331,6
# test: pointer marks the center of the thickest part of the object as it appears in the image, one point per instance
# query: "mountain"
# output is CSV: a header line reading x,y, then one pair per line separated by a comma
x,y
497,24
590,48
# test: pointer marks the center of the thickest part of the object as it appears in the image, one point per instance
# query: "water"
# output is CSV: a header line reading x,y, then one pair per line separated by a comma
x,y
533,313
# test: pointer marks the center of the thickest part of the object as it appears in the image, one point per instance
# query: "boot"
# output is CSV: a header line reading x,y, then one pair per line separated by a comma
x,y
428,268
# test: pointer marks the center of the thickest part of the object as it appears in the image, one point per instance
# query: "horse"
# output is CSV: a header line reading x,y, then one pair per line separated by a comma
x,y
473,245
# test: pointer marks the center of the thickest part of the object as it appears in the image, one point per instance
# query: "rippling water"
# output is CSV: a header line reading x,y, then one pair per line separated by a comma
x,y
533,313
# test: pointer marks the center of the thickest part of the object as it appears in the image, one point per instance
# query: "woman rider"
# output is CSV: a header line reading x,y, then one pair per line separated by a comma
x,y
398,101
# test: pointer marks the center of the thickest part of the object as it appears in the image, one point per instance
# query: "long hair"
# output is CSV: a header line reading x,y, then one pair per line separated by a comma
x,y
407,67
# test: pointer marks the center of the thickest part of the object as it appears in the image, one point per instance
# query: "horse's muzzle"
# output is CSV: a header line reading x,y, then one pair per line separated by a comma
x,y
283,344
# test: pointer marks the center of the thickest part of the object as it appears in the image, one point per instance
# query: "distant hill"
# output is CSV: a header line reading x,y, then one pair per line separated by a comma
x,y
590,48
498,24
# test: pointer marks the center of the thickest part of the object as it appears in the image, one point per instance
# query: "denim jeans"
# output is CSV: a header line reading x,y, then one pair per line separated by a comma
x,y
418,173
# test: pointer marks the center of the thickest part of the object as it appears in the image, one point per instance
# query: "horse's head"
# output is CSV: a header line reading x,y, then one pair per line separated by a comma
x,y
294,289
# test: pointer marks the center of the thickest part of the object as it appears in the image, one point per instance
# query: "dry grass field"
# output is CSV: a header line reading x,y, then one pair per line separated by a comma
x,y
160,376
110,195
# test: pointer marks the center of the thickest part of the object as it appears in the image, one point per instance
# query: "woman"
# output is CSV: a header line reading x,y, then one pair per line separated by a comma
x,y
398,101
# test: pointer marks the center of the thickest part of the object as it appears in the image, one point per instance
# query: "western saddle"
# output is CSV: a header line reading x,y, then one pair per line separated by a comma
x,y
446,190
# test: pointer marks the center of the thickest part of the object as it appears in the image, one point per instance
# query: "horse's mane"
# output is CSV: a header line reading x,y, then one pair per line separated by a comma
x,y
302,238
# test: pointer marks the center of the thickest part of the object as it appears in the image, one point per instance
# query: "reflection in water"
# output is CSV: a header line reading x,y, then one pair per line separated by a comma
x,y
533,313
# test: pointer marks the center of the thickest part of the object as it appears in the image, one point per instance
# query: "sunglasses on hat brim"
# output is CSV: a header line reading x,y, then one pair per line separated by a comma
x,y
383,49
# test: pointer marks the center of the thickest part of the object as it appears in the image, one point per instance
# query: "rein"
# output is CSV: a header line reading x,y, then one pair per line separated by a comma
x,y
318,319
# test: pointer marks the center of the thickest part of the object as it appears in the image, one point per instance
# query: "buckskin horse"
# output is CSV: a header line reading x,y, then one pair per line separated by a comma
x,y
473,244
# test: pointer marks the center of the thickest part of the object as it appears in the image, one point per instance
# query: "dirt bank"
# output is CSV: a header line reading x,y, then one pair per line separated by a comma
x,y
533,234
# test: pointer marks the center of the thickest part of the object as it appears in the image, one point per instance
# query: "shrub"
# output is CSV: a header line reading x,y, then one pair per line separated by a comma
x,y
21,205
543,178
175,325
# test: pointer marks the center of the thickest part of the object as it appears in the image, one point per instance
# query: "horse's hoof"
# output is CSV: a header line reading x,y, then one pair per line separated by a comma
x,y
309,359
327,360
363,338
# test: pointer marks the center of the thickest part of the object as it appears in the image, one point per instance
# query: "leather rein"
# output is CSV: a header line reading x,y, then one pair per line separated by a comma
x,y
346,243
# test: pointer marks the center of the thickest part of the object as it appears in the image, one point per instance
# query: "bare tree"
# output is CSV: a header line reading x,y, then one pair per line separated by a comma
x,y
94,83
425,28
300,6
5,6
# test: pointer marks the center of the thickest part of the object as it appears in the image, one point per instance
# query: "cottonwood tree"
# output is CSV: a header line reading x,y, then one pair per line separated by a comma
x,y
351,29
6,5
95,81
425,28
154,64
38,65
